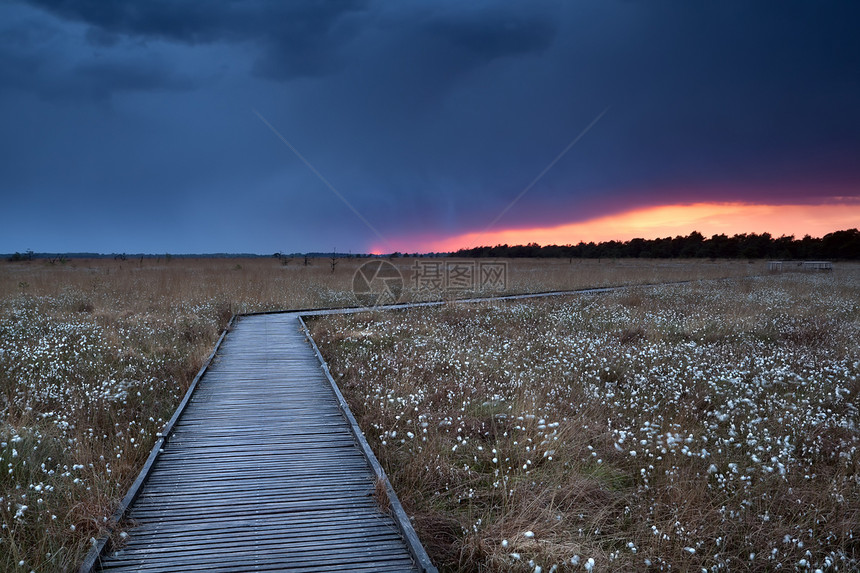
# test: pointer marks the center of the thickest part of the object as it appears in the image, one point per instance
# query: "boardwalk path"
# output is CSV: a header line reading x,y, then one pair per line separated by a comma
x,y
266,469
263,473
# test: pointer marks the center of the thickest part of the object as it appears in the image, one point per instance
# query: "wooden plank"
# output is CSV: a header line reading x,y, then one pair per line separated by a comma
x,y
307,546
284,534
320,554
379,566
281,561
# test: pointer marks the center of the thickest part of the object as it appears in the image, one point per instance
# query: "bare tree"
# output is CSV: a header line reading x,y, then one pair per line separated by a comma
x,y
333,260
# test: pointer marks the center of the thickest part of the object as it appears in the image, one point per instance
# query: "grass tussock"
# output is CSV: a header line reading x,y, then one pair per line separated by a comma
x,y
694,427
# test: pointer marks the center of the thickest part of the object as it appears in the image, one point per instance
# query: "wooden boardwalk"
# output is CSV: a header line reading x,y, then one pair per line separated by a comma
x,y
264,468
263,471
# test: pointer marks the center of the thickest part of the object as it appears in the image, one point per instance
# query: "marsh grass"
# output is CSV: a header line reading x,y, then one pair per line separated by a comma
x,y
96,354
705,426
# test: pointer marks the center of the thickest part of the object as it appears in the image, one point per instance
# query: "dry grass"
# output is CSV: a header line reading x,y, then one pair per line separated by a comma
x,y
689,427
96,354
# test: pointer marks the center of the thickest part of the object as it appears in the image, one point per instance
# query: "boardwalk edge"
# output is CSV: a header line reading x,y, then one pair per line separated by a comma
x,y
103,544
416,549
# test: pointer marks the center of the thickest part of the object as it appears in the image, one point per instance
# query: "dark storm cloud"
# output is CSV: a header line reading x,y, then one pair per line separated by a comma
x,y
295,38
303,38
93,80
201,21
717,98
492,35
709,100
40,56
429,116
130,76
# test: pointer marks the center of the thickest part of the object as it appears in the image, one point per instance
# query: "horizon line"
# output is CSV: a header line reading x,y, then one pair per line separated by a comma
x,y
339,254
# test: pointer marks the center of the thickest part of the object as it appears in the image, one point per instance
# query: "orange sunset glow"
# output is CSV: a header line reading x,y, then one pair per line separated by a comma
x,y
662,221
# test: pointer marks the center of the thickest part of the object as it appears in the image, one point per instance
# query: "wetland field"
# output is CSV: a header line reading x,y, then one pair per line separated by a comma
x,y
705,425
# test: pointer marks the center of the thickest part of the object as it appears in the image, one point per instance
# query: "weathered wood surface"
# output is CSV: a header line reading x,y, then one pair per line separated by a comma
x,y
263,472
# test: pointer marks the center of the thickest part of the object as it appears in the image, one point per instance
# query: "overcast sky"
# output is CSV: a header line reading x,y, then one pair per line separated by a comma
x,y
131,126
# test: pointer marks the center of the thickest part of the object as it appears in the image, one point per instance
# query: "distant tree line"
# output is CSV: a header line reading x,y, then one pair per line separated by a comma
x,y
27,256
837,245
